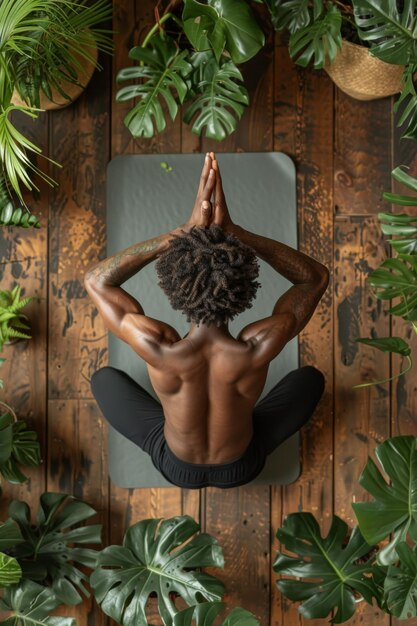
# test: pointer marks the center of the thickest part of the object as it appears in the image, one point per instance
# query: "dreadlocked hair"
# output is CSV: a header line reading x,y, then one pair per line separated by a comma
x,y
209,275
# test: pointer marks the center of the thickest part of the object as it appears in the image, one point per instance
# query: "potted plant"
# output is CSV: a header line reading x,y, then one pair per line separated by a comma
x,y
18,446
190,57
366,46
13,325
45,49
374,562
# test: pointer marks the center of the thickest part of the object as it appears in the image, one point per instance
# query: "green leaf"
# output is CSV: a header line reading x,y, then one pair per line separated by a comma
x,y
227,24
153,558
196,31
6,438
205,615
388,344
389,31
163,69
220,99
294,14
52,549
331,567
401,584
319,41
406,104
18,446
10,570
397,279
394,508
10,535
30,605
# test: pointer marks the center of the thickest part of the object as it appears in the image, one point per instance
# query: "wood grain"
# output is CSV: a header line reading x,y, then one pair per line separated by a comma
x,y
362,154
311,139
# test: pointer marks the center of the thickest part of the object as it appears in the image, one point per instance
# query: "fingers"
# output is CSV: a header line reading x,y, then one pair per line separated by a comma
x,y
204,174
209,187
219,193
205,213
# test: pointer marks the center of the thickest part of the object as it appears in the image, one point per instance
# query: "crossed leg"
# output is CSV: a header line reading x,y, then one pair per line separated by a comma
x,y
287,407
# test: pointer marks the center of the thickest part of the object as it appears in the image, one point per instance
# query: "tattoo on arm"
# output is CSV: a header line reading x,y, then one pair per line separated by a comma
x,y
118,268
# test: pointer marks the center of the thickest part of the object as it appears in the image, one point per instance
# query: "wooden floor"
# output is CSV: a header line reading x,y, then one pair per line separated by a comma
x,y
344,151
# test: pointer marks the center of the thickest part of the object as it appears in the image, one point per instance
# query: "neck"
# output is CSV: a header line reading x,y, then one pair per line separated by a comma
x,y
212,330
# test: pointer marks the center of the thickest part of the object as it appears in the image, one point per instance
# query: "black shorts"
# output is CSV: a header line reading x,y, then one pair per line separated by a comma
x,y
138,416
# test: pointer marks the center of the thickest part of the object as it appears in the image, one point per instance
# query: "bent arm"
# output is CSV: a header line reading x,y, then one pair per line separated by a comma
x,y
122,313
295,307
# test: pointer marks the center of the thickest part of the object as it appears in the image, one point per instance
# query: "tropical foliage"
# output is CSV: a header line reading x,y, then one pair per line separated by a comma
x,y
395,280
43,46
18,446
157,556
52,550
195,66
13,323
335,572
40,559
228,34
388,28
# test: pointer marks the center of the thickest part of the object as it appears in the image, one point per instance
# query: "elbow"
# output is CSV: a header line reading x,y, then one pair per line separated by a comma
x,y
90,281
323,278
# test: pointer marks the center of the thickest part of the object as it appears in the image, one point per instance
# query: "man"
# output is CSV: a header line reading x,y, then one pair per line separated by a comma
x,y
208,429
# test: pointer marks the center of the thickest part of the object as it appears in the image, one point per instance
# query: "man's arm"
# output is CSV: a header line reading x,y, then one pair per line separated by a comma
x,y
122,314
296,306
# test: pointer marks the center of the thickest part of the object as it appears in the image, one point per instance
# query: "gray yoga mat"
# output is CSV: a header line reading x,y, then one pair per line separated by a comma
x,y
151,194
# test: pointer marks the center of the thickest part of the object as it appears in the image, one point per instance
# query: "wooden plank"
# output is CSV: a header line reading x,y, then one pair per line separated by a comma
x,y
77,340
310,142
23,255
362,154
361,415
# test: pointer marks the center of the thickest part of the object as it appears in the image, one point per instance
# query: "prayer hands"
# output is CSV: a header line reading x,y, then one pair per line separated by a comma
x,y
204,213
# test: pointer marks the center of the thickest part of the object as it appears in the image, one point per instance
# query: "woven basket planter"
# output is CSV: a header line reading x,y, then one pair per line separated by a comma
x,y
361,75
85,74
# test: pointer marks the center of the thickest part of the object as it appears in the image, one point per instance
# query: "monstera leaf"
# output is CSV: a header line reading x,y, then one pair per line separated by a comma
x,y
10,535
397,279
30,604
10,570
293,14
406,104
395,345
401,584
52,548
18,446
329,564
401,225
389,31
319,41
154,559
220,100
394,509
163,69
227,24
205,615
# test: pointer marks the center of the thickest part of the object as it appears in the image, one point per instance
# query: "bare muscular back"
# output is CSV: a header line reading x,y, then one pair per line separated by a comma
x,y
208,386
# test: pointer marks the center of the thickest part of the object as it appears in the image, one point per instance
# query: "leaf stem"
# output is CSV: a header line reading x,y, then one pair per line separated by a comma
x,y
157,26
386,380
